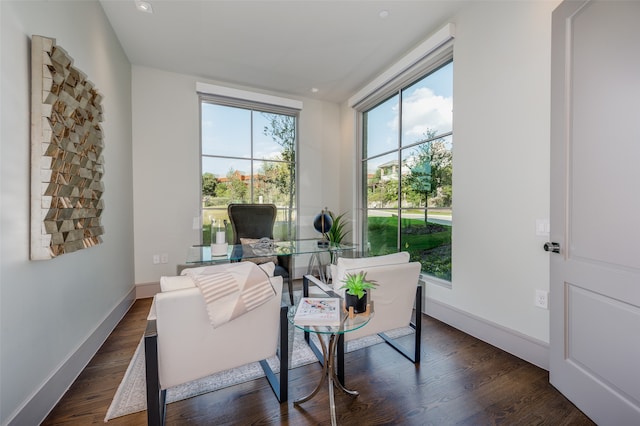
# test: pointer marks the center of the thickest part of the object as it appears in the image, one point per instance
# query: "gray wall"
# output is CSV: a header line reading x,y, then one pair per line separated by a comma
x,y
53,312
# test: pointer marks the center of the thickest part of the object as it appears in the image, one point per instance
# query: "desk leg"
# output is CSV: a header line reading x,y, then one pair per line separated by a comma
x,y
314,261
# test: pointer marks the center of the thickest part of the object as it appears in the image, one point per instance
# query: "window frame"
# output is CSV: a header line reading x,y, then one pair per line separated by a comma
x,y
430,63
252,102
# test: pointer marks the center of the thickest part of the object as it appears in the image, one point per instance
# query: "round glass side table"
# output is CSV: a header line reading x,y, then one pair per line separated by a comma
x,y
331,334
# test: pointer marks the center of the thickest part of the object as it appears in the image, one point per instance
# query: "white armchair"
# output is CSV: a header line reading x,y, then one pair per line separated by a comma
x,y
181,345
393,300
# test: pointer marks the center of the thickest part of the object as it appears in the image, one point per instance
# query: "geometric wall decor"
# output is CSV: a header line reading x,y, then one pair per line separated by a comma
x,y
66,154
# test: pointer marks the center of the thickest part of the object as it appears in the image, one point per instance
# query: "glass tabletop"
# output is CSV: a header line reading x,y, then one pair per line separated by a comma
x,y
202,253
347,324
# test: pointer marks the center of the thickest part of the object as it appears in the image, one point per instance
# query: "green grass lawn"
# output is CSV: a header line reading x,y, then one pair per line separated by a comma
x,y
429,244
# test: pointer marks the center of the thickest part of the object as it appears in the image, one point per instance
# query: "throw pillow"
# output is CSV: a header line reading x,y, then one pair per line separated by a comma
x,y
269,268
232,290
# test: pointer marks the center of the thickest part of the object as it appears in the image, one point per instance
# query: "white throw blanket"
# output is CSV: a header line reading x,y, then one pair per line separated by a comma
x,y
231,290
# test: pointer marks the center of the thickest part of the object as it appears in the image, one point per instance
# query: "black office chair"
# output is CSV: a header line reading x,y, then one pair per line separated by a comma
x,y
256,221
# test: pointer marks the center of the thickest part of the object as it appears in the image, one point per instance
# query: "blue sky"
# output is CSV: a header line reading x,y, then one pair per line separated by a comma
x,y
227,132
427,104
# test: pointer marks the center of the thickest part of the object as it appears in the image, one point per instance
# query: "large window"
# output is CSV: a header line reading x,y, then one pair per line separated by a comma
x,y
407,142
248,155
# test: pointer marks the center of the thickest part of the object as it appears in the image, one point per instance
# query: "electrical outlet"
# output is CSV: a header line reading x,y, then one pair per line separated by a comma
x,y
542,299
164,258
156,259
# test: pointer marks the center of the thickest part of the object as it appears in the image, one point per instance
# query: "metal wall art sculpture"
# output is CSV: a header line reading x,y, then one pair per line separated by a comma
x,y
66,154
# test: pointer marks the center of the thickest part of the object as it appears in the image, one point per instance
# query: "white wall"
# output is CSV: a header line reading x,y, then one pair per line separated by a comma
x,y
501,166
50,309
166,158
501,163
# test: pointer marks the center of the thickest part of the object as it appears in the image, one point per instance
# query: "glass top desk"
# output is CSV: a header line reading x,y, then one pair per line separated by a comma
x,y
201,254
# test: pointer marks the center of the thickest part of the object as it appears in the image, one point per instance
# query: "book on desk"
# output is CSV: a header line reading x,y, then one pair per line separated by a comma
x,y
318,311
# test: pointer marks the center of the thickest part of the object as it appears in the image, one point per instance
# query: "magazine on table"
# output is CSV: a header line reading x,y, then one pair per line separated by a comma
x,y
318,311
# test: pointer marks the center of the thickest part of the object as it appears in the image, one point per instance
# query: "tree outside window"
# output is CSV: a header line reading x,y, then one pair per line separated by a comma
x,y
248,156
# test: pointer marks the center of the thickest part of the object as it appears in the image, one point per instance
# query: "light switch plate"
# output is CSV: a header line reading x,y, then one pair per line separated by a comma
x,y
542,227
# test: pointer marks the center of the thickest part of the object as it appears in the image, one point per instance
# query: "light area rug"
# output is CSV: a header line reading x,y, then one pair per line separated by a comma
x,y
131,394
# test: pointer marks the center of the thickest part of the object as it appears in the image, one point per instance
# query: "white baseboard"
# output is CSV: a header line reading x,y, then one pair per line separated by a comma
x,y
36,409
525,347
146,290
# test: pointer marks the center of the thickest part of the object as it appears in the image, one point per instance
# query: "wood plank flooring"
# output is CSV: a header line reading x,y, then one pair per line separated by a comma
x,y
460,381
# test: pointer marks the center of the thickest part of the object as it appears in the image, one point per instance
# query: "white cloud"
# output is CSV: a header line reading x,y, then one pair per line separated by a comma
x,y
423,111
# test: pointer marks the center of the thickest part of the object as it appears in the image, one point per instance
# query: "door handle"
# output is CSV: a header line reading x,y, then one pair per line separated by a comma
x,y
552,247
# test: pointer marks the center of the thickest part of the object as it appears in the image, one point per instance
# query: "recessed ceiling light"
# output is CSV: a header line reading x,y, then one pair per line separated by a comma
x,y
144,6
383,14
314,89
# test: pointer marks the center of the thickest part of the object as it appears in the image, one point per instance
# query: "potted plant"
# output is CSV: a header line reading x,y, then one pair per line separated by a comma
x,y
356,286
337,232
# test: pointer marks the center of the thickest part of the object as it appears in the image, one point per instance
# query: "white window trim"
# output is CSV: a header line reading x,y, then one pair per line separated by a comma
x,y
253,101
437,48
212,89
411,60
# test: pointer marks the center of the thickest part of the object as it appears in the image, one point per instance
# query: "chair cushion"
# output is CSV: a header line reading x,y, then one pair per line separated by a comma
x,y
344,265
175,283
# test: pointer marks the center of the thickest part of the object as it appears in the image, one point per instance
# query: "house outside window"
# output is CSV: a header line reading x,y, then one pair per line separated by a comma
x,y
407,152
248,155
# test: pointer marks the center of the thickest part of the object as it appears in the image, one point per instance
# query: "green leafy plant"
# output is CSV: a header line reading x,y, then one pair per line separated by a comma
x,y
356,284
337,232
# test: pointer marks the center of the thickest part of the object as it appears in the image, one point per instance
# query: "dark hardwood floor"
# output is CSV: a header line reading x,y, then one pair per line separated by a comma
x,y
460,381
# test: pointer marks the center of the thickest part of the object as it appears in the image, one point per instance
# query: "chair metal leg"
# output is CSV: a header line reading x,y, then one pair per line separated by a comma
x,y
305,293
156,397
290,287
280,387
417,326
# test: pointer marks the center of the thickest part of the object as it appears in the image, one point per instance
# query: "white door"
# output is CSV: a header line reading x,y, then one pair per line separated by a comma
x,y
595,208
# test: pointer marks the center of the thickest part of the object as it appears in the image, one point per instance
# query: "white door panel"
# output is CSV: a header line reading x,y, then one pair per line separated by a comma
x,y
595,208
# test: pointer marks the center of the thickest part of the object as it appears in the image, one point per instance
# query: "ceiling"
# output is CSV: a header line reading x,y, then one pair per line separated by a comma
x,y
289,47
